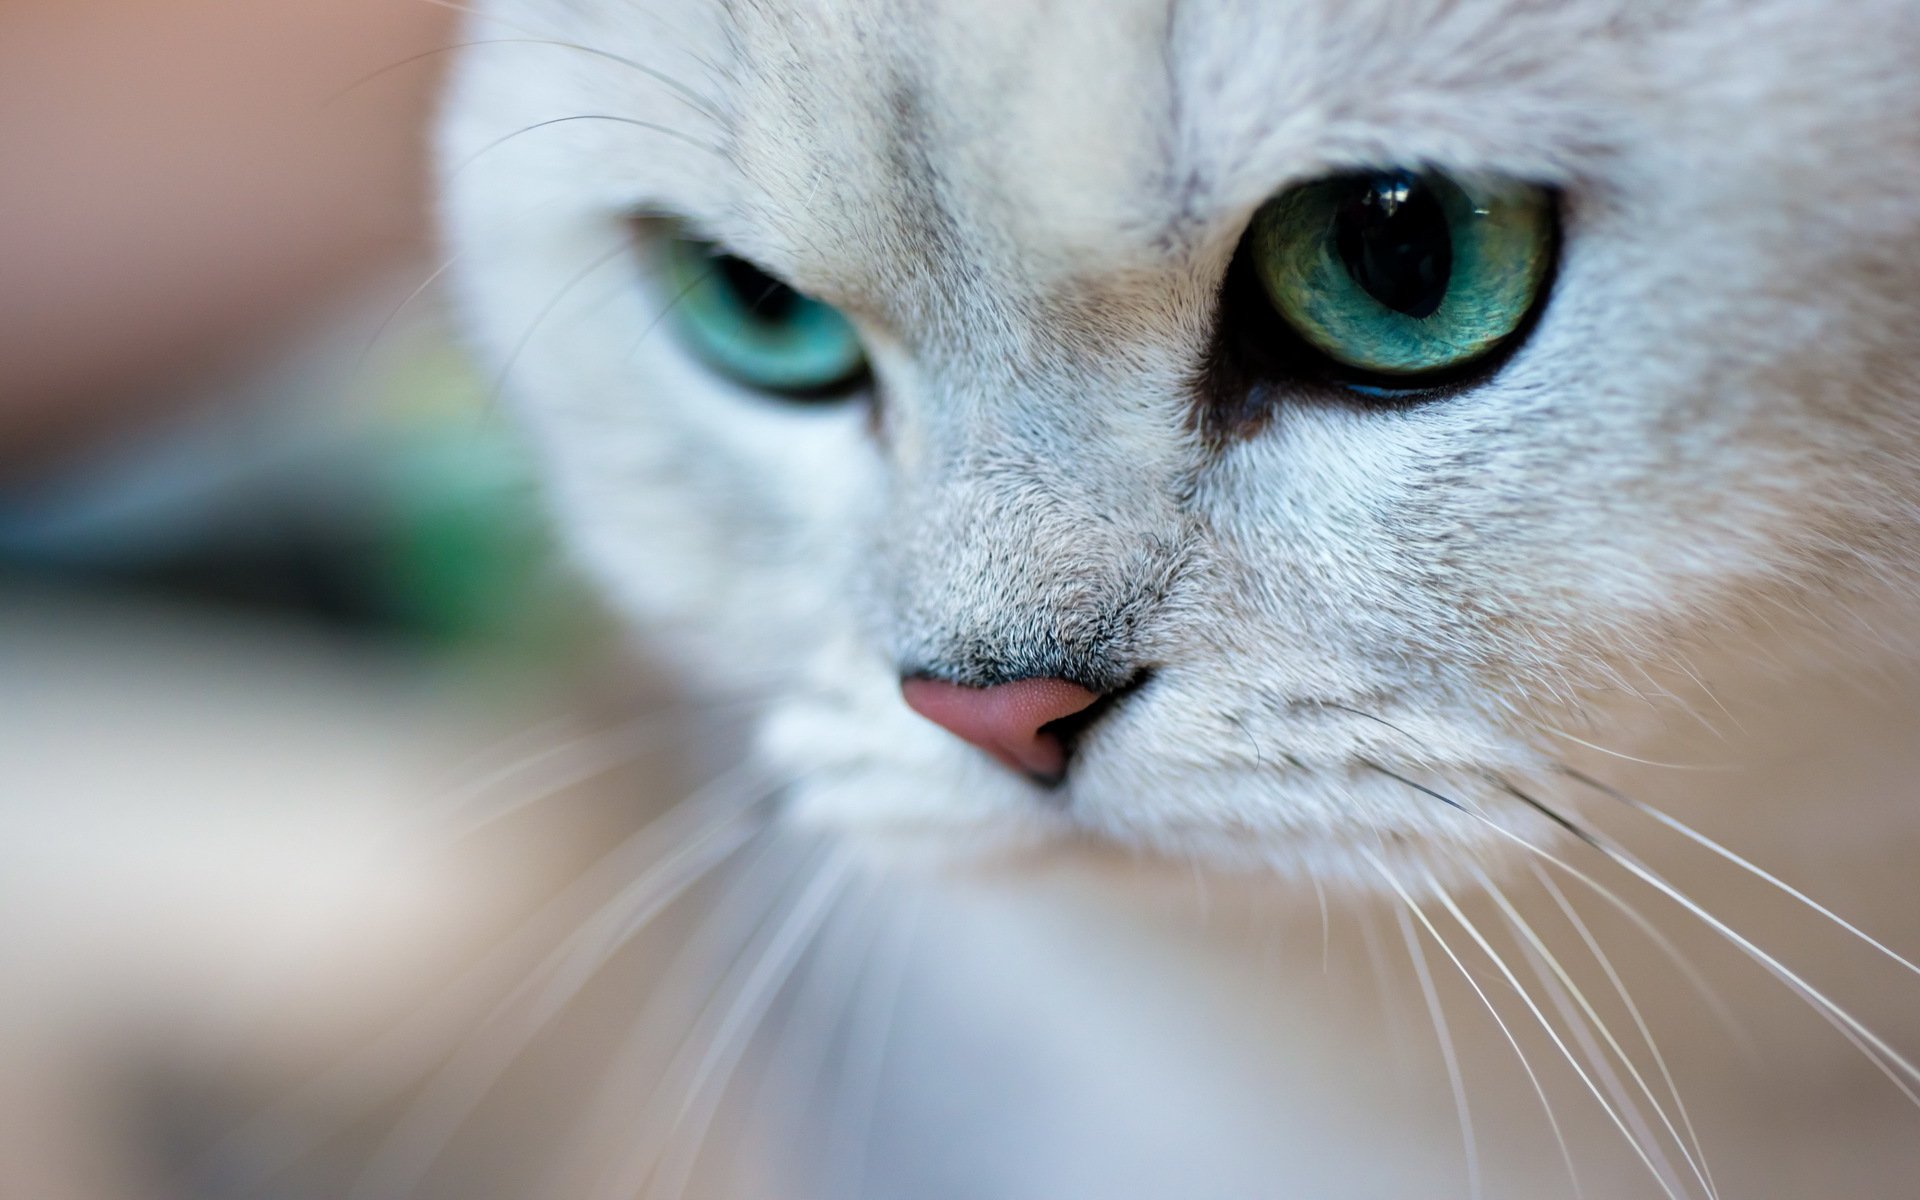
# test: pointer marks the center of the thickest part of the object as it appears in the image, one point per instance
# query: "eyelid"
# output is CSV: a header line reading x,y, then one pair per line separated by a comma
x,y
660,227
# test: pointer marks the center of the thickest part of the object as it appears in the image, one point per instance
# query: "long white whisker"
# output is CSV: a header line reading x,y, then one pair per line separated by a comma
x,y
1326,923
1546,1106
1451,1059
1583,1024
677,135
810,1027
1633,1011
572,761
1553,1034
1883,1056
683,93
1645,762
1567,987
530,36
398,1058
1724,1013
552,306
1397,1033
765,970
398,1167
873,1023
1772,880
749,898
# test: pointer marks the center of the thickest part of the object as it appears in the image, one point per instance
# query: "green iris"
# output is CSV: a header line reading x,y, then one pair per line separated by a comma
x,y
753,328
1405,274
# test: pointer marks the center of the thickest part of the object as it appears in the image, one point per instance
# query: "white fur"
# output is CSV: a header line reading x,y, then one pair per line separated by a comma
x,y
1027,209
1691,492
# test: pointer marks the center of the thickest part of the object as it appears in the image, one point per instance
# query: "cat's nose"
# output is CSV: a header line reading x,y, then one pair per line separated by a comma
x,y
1008,720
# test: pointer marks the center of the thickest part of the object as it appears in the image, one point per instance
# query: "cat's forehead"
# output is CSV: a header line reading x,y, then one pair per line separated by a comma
x,y
1115,127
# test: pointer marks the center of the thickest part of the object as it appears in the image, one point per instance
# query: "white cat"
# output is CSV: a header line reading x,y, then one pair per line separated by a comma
x,y
1356,441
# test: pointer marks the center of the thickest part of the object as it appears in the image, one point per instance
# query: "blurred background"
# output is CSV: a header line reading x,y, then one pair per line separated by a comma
x,y
216,378
274,595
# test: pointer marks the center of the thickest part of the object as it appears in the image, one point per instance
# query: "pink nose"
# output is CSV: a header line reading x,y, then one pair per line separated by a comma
x,y
1006,721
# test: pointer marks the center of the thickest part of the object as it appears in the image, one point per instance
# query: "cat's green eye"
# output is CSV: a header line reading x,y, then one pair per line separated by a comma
x,y
756,330
1401,274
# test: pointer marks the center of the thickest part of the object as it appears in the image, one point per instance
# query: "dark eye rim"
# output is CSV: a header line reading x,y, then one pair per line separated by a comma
x,y
664,234
1256,352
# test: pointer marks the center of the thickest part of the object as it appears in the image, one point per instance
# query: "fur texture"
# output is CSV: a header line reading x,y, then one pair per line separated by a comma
x,y
1029,209
1677,526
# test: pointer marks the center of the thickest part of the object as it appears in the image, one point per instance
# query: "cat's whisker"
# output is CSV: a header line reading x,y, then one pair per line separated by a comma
x,y
1449,1055
1539,1090
1686,669
1885,1058
1398,1036
537,778
681,92
1758,872
533,35
1423,789
526,35
1661,1172
678,135
1661,941
849,1139
1600,1049
1621,755
1326,922
728,1044
671,1144
1633,1011
722,934
1728,1019
540,318
666,310
513,787
801,1047
752,986
1566,995
392,316
420,1137
399,1057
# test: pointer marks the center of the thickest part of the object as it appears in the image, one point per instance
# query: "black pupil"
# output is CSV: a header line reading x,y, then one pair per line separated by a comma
x,y
763,296
1392,236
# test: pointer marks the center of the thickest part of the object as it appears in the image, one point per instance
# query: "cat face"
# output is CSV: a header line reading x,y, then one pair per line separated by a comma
x,y
1316,602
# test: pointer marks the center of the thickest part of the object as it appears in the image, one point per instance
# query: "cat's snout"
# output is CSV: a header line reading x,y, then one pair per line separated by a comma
x,y
1010,721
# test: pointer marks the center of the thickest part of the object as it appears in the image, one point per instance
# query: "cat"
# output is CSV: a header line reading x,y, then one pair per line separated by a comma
x,y
1399,450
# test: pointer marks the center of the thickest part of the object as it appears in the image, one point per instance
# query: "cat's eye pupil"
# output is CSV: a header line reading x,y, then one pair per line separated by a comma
x,y
1392,236
1400,277
760,294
